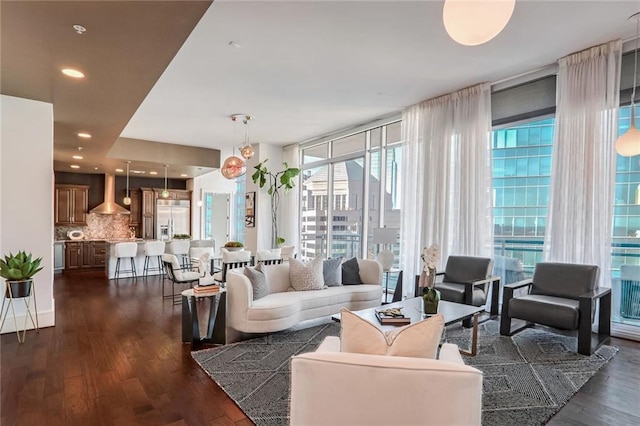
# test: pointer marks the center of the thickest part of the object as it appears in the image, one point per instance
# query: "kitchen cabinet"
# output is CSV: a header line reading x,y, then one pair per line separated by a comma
x,y
58,256
71,204
174,194
148,213
85,254
135,207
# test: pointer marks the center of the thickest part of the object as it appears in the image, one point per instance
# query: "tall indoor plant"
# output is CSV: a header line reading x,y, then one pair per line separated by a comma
x,y
277,182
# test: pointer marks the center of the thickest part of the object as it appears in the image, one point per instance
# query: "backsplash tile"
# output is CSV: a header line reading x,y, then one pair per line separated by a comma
x,y
99,227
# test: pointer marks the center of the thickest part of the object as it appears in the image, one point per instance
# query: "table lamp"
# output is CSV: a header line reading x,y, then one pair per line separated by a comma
x,y
385,236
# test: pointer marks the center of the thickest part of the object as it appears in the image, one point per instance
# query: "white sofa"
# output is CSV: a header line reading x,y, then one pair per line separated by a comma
x,y
283,309
329,387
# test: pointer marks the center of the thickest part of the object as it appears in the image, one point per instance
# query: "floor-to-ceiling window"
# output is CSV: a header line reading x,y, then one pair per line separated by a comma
x,y
350,185
521,176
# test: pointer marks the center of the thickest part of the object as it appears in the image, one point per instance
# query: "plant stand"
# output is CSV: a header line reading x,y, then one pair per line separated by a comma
x,y
28,295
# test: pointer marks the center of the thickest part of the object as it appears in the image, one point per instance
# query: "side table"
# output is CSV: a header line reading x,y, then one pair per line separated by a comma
x,y
216,322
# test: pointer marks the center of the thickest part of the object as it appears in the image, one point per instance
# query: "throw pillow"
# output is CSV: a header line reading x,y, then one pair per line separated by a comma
x,y
351,272
258,281
306,275
417,340
332,272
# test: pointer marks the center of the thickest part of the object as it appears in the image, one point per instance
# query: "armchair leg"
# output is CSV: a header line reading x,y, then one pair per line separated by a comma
x,y
584,326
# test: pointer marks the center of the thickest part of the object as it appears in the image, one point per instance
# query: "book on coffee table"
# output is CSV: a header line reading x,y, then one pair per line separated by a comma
x,y
393,316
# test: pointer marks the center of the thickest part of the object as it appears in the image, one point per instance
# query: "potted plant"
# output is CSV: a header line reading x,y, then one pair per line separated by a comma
x,y
282,180
181,236
18,270
234,246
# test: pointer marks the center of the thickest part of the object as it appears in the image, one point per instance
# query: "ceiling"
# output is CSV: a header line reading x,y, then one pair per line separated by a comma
x,y
302,69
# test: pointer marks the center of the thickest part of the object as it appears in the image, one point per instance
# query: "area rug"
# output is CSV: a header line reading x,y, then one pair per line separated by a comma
x,y
527,377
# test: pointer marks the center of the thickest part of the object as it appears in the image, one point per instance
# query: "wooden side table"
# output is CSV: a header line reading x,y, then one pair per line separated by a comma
x,y
216,322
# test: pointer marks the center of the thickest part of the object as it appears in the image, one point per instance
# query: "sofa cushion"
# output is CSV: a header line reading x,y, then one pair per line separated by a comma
x,y
306,275
258,281
332,272
417,340
351,272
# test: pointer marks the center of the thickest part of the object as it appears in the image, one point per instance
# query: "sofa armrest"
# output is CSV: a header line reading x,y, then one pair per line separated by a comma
x,y
450,352
239,299
370,271
329,344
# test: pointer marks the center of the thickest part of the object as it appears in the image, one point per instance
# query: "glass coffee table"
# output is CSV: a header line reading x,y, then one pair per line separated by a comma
x,y
412,308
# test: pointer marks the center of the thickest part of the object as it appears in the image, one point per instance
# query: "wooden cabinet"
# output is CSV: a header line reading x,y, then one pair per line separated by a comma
x,y
135,208
71,204
85,254
174,194
148,213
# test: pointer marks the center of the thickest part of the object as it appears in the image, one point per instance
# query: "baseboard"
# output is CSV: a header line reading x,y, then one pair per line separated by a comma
x,y
625,331
45,319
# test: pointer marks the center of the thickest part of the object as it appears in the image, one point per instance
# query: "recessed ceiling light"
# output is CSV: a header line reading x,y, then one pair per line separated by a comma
x,y
138,172
95,168
75,166
184,175
77,157
79,29
235,44
153,173
70,72
119,170
84,135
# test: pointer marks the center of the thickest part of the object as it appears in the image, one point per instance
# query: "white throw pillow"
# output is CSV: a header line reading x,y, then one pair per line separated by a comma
x,y
417,340
306,275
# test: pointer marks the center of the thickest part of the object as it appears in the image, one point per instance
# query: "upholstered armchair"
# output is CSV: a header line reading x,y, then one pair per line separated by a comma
x,y
563,296
329,387
466,280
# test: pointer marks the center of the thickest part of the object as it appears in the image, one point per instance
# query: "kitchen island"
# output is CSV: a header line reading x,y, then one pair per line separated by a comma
x,y
124,263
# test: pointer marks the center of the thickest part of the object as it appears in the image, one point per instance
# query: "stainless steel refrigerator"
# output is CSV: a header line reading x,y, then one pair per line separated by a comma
x,y
172,217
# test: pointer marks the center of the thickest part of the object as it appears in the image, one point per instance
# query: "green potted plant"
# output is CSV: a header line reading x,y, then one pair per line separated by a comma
x,y
181,236
282,180
234,246
18,270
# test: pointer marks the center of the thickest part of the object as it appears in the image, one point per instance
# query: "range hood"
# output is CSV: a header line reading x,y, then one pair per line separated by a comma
x,y
109,205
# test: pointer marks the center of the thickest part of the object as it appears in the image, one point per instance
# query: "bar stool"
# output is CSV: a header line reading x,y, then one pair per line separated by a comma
x,y
124,251
153,249
181,249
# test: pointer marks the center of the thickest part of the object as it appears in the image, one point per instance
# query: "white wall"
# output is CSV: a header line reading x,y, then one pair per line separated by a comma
x,y
26,195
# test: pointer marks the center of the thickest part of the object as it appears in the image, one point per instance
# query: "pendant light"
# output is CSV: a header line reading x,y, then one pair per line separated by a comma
x,y
199,202
474,22
233,166
127,198
165,193
628,144
246,150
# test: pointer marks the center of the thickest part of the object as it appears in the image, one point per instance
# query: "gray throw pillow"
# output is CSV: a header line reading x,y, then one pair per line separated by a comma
x,y
351,272
258,281
332,272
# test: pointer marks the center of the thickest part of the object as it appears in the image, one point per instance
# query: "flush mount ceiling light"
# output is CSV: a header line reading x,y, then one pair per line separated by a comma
x,y
473,22
79,29
75,166
77,157
153,173
70,72
628,144
184,175
127,198
84,135
119,170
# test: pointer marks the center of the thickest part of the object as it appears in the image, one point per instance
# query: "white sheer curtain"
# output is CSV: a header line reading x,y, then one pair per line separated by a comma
x,y
289,226
446,178
580,212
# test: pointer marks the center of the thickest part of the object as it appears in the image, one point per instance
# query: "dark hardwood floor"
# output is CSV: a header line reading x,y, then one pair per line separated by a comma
x,y
115,358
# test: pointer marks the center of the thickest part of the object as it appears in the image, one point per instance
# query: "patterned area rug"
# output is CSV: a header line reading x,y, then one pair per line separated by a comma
x,y
527,378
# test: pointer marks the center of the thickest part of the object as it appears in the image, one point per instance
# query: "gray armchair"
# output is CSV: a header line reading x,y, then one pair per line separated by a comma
x,y
466,280
563,296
